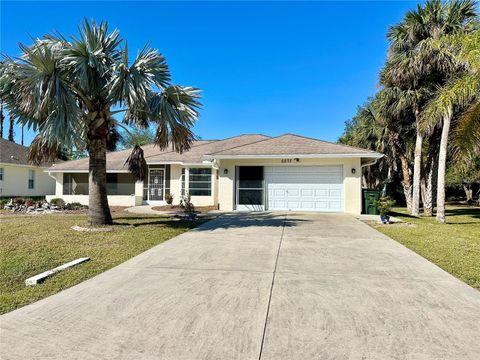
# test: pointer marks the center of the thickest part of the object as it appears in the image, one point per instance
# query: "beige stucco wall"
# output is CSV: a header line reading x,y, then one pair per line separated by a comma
x,y
351,182
113,200
15,181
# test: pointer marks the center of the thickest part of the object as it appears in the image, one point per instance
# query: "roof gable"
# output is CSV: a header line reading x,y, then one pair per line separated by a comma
x,y
290,144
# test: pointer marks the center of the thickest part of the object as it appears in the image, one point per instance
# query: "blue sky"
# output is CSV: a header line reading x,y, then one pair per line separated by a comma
x,y
263,67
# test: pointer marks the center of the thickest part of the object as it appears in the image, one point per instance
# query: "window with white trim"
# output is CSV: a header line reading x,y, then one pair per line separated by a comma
x,y
199,181
31,179
183,181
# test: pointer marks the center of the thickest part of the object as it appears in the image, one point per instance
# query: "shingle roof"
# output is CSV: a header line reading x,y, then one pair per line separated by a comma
x,y
253,145
15,154
290,144
116,159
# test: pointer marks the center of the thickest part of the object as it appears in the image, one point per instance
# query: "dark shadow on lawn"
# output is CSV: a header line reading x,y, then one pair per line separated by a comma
x,y
473,212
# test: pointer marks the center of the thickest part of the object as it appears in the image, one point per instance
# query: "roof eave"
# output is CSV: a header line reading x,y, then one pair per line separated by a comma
x,y
302,156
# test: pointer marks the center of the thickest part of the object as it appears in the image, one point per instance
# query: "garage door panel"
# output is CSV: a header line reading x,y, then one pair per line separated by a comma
x,y
309,188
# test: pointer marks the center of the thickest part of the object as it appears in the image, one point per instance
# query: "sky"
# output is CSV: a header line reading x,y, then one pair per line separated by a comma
x,y
263,67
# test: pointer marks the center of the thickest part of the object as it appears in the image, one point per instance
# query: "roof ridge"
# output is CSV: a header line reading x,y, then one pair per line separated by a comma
x,y
173,151
254,142
328,142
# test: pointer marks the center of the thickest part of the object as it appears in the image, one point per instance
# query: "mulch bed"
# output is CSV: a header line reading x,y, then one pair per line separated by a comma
x,y
178,208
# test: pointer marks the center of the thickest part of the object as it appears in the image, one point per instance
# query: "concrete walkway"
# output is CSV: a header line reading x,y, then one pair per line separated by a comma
x,y
258,286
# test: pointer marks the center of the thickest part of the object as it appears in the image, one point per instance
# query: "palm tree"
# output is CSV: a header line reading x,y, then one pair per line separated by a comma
x,y
2,117
69,91
414,67
459,101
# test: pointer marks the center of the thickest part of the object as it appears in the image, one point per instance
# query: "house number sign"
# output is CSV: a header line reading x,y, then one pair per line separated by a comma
x,y
289,161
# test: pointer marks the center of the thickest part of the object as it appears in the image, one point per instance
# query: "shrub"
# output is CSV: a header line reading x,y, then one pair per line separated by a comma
x,y
29,202
58,202
169,198
384,204
187,206
75,206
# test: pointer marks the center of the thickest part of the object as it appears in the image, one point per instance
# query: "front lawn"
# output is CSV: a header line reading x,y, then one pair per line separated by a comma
x,y
32,244
455,246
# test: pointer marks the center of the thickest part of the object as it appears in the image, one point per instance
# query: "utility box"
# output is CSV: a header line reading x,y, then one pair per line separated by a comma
x,y
369,199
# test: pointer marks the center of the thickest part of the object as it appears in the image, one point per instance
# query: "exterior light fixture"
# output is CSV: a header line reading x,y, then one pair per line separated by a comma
x,y
225,171
354,171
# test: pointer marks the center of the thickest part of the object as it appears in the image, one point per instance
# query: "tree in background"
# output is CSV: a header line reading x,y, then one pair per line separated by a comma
x,y
68,91
417,68
457,105
137,136
464,175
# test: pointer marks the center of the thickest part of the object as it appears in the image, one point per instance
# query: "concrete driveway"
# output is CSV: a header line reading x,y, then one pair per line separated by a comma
x,y
263,286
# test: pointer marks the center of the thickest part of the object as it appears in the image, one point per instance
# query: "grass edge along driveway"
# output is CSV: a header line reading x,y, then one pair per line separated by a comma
x,y
454,247
30,245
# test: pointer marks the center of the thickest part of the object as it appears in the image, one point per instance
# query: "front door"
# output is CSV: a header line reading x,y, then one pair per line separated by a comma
x,y
249,186
156,184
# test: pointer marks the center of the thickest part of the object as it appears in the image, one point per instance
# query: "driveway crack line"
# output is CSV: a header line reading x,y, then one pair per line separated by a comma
x,y
271,288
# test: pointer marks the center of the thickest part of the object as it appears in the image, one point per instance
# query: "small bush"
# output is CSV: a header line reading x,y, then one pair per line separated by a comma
x,y
187,206
58,202
29,202
384,204
169,198
75,206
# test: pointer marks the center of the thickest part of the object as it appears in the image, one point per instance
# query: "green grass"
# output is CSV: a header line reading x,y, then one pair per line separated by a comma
x,y
455,246
30,245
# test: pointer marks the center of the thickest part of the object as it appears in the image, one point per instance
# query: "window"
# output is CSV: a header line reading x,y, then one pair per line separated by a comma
x,y
112,183
1,174
200,182
183,181
31,179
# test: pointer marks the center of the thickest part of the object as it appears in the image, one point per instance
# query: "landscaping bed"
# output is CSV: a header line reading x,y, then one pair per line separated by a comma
x,y
455,246
178,208
30,245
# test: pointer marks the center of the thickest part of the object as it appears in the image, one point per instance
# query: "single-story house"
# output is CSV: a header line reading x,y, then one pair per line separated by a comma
x,y
18,178
246,172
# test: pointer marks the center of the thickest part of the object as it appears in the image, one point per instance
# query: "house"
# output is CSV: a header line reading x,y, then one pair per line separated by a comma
x,y
247,172
18,177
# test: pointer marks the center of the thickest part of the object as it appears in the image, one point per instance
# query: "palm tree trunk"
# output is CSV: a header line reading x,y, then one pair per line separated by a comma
x,y
98,209
417,168
429,187
406,182
442,164
10,130
2,117
468,193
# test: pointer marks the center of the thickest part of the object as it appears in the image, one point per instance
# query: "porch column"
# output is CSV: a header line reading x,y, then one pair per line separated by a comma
x,y
139,192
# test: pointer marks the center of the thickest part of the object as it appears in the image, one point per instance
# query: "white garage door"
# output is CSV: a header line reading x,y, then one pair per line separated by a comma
x,y
304,188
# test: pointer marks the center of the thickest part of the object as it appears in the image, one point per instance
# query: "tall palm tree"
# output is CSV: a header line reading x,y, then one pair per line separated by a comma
x,y
413,66
11,133
459,101
2,117
68,91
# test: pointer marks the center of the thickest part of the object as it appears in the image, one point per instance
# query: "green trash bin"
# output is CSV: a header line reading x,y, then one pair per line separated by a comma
x,y
369,198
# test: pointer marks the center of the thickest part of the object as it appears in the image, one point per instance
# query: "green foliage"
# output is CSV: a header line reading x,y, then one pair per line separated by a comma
x,y
75,206
384,205
58,202
137,136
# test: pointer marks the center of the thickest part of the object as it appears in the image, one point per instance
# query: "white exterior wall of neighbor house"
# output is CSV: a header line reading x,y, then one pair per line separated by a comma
x,y
113,200
15,181
351,182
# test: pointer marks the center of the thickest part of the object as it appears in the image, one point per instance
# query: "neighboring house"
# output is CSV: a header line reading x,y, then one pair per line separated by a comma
x,y
18,177
247,172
